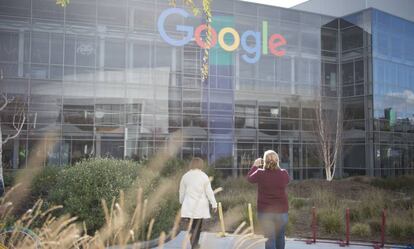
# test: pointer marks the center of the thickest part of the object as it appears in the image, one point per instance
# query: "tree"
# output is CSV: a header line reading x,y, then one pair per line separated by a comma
x,y
328,129
19,118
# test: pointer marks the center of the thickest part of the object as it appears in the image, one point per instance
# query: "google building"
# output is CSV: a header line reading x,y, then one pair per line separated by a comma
x,y
117,78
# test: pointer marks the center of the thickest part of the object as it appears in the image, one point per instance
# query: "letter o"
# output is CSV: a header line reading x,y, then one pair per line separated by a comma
x,y
236,41
200,42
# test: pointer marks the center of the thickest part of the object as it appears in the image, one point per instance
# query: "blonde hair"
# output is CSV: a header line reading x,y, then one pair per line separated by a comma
x,y
197,163
271,160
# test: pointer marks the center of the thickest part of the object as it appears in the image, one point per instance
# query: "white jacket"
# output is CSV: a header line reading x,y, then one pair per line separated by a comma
x,y
195,195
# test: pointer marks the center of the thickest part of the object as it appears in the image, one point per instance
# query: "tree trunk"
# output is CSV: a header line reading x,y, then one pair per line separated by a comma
x,y
328,171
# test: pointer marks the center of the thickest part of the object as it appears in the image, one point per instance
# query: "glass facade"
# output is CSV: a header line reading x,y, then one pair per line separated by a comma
x,y
393,98
100,74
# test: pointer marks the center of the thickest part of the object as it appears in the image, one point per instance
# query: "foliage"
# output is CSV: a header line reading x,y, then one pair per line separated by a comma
x,y
375,226
395,229
293,217
80,188
360,229
355,215
298,203
164,215
9,178
395,183
331,221
399,227
324,198
45,181
62,3
409,230
173,167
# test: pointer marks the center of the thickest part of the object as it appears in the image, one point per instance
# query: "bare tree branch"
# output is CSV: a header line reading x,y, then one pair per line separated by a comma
x,y
18,126
328,130
6,101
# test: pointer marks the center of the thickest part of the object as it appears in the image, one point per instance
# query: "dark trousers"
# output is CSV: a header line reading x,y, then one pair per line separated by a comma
x,y
195,232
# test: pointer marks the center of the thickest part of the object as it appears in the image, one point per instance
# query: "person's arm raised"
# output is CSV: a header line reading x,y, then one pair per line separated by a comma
x,y
253,175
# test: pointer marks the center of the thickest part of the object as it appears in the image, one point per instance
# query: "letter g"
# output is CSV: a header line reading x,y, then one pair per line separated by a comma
x,y
163,33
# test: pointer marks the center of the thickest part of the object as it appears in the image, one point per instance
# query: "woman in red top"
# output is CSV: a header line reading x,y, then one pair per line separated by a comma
x,y
272,201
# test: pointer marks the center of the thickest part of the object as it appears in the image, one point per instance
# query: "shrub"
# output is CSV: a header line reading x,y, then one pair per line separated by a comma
x,y
372,204
45,181
395,183
293,218
375,226
324,198
403,203
395,229
164,215
298,203
8,178
355,215
80,188
360,229
172,167
409,230
331,221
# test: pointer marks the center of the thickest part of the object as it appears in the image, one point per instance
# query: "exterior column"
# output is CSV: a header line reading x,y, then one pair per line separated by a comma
x,y
125,141
20,59
101,62
291,157
98,145
15,153
292,75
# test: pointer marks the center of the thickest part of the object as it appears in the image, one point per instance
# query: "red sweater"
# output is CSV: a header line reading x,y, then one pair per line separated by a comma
x,y
272,195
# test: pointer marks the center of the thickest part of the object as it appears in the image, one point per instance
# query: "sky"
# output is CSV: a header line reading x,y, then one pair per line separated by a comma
x,y
279,3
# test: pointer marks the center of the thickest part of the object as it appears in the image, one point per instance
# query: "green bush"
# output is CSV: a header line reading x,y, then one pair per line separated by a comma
x,y
395,183
409,230
8,178
395,229
324,198
45,181
375,226
293,218
403,203
355,215
81,187
173,167
360,229
331,221
373,203
164,215
297,202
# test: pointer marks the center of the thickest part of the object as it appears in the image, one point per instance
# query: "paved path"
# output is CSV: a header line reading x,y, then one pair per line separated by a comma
x,y
212,241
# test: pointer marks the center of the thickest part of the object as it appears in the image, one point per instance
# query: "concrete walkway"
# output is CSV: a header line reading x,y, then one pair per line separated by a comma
x,y
212,241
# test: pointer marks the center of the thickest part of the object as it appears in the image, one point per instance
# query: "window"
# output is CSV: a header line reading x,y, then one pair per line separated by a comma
x,y
40,47
114,54
348,73
352,38
9,46
329,40
56,49
284,72
359,71
143,15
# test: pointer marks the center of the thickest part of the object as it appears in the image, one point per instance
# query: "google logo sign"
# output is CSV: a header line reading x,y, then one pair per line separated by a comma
x,y
263,43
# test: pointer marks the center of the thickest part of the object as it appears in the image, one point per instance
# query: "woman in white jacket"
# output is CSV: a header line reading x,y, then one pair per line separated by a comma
x,y
195,195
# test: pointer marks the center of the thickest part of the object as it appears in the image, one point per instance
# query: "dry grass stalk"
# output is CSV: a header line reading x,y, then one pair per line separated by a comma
x,y
121,226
